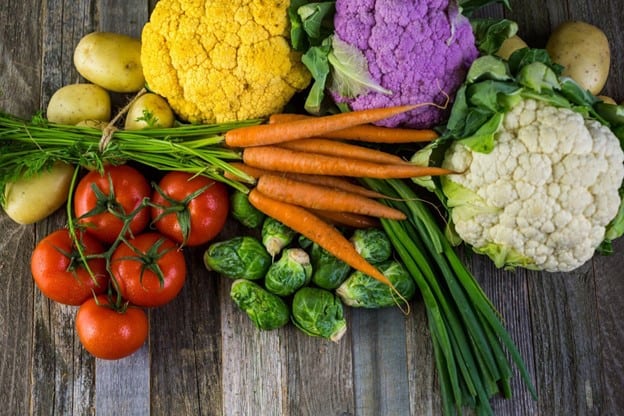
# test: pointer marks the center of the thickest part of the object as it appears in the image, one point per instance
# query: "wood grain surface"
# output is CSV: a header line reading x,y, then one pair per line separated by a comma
x,y
204,357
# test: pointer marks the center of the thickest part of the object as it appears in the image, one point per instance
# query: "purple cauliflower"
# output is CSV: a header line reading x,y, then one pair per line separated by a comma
x,y
419,50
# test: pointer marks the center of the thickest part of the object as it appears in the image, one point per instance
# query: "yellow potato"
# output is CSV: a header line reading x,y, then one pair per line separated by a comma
x,y
110,60
149,110
510,45
96,124
77,102
607,99
583,50
29,200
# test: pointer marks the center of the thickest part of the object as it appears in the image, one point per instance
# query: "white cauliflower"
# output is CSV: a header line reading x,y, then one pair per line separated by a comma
x,y
541,199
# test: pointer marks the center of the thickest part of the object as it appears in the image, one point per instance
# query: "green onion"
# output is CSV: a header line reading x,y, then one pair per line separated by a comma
x,y
29,146
469,340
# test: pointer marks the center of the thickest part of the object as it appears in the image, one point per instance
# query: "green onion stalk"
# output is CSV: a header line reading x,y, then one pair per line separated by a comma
x,y
470,343
28,147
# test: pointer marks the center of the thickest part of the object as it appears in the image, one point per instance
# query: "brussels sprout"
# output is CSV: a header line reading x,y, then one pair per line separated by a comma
x,y
362,291
304,242
239,257
319,313
328,272
373,244
266,310
292,271
243,211
276,236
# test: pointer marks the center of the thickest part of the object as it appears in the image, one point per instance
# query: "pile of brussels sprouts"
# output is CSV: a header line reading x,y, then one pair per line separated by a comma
x,y
280,276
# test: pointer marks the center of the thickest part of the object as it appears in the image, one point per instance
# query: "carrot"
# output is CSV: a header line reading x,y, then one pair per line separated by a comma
x,y
366,132
264,134
309,225
348,219
249,170
285,160
337,148
336,182
318,197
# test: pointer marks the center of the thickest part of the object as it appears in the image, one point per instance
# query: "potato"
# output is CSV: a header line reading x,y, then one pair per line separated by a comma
x,y
110,60
29,200
583,49
607,99
77,102
96,124
149,110
510,45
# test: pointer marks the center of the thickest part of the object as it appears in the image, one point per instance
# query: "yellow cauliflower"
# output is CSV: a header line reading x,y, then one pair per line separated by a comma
x,y
222,60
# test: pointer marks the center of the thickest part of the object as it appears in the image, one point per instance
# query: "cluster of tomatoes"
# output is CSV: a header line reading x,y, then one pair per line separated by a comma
x,y
123,253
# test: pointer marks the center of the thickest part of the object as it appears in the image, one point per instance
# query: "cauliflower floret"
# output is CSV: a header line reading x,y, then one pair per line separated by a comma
x,y
415,49
222,60
548,188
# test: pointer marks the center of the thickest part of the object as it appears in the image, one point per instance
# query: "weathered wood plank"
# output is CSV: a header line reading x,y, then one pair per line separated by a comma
x,y
379,356
185,340
610,306
122,387
254,369
320,374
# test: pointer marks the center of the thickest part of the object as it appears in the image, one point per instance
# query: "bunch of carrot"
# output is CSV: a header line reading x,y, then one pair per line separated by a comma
x,y
304,167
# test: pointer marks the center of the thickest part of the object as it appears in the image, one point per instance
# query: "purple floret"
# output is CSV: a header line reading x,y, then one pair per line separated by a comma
x,y
418,49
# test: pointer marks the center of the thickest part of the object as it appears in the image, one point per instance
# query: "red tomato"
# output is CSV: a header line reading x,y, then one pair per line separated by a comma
x,y
60,274
109,332
186,213
150,269
102,210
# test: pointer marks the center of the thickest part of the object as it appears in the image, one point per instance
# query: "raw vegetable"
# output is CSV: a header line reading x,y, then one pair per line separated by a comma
x,y
149,111
289,273
275,235
318,313
346,219
108,331
372,243
377,57
583,51
318,197
510,45
74,103
266,310
110,60
32,146
243,211
367,132
60,274
31,199
328,272
550,202
469,341
362,291
284,160
265,134
102,202
241,257
191,210
335,182
218,60
149,269
339,148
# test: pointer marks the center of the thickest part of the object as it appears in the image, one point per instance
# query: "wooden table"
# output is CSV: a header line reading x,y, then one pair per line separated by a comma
x,y
203,355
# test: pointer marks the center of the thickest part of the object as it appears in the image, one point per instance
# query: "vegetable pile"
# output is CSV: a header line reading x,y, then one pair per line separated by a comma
x,y
329,203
